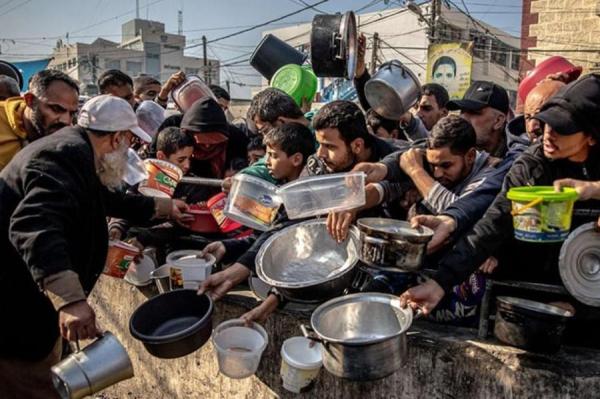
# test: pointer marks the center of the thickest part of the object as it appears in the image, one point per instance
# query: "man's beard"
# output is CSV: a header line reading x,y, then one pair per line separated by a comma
x,y
113,166
37,120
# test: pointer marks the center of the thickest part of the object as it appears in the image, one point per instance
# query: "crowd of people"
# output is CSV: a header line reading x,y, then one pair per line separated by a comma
x,y
447,164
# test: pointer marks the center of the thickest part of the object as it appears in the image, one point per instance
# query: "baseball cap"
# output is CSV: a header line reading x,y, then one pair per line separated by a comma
x,y
479,95
108,113
574,108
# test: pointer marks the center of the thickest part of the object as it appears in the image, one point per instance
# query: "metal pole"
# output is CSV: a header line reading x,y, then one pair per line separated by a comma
x,y
434,11
204,57
374,52
202,181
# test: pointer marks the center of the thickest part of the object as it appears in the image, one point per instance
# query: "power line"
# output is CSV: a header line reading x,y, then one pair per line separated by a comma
x,y
15,7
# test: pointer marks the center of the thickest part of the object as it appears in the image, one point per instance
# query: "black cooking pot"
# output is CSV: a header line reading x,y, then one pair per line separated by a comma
x,y
10,70
333,45
173,324
272,53
529,324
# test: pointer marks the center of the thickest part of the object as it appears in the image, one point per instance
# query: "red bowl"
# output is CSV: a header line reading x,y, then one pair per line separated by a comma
x,y
204,222
547,67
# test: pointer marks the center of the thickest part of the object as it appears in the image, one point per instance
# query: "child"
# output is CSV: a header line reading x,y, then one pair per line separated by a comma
x,y
256,149
288,148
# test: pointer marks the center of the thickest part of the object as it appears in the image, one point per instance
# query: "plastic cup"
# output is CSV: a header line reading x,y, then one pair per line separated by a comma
x,y
163,178
119,257
300,364
542,214
239,348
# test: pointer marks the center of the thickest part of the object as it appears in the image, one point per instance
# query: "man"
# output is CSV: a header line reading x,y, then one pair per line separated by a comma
x,y
432,104
223,98
533,103
49,105
118,84
485,105
569,150
145,88
8,87
382,127
55,196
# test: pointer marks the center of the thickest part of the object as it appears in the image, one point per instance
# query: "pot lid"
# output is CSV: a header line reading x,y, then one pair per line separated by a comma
x,y
579,264
359,319
395,228
534,306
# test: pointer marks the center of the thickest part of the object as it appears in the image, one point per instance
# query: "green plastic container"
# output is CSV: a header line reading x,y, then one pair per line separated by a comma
x,y
541,214
297,81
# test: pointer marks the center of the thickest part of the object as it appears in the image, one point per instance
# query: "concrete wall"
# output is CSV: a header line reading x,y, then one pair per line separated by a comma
x,y
442,363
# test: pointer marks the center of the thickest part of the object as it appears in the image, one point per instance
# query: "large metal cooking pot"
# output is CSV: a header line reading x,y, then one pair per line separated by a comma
x,y
392,243
529,324
363,335
305,264
393,90
99,365
173,324
333,45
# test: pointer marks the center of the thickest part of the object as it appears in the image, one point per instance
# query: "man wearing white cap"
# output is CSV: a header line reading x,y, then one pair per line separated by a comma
x,y
55,196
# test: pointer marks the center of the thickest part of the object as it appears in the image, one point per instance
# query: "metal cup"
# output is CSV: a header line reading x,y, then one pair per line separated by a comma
x,y
99,365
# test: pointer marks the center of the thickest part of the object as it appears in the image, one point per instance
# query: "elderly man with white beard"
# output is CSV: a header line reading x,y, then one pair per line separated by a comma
x,y
55,196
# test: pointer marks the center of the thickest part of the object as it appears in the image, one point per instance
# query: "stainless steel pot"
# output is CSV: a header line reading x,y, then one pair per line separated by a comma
x,y
392,243
393,90
305,264
333,45
99,365
363,335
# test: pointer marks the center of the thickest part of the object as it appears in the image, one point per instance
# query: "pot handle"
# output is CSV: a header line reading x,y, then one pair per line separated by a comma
x,y
309,333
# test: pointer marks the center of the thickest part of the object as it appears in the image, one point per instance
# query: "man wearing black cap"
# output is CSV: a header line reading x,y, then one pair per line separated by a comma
x,y
485,105
569,150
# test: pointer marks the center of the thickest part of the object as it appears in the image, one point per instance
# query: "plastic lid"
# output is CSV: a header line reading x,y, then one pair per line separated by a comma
x,y
547,193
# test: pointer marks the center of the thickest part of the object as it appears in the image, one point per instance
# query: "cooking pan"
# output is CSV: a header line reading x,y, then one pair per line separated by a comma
x,y
333,45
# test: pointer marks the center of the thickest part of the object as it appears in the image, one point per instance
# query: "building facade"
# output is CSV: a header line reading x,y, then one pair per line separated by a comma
x,y
566,28
405,34
145,48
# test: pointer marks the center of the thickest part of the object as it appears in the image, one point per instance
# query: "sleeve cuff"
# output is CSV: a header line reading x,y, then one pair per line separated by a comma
x,y
63,288
162,208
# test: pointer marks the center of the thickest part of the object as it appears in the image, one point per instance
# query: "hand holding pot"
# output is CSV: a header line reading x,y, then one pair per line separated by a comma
x,y
174,80
585,189
442,226
412,160
338,224
178,213
219,284
77,321
375,172
216,249
360,55
425,296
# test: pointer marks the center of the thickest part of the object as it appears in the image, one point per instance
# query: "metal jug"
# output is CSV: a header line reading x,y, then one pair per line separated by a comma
x,y
99,365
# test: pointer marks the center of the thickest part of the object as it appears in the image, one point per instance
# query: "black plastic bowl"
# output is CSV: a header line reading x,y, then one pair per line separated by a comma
x,y
173,324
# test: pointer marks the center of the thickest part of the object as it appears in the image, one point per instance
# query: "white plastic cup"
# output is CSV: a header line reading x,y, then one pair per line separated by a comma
x,y
239,348
300,363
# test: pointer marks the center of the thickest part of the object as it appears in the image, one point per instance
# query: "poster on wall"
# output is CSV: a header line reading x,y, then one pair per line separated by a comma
x,y
449,64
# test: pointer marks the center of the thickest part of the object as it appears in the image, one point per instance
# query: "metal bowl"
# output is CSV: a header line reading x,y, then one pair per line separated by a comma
x,y
305,258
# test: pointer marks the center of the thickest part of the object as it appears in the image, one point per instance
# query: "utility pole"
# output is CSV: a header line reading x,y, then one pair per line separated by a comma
x,y
205,59
180,22
228,86
435,9
137,9
374,51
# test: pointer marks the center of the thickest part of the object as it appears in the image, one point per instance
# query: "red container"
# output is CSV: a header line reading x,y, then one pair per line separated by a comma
x,y
204,222
216,205
547,67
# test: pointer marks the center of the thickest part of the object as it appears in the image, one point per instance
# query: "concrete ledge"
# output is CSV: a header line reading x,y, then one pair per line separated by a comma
x,y
443,362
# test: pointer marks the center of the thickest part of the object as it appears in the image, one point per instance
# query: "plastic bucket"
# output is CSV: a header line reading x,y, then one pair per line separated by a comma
x,y
299,82
119,257
188,268
541,214
163,178
272,53
300,363
216,205
549,66
191,90
239,348
204,222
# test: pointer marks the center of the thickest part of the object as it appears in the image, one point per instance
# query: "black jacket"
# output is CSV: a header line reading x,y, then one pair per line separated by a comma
x,y
493,234
53,211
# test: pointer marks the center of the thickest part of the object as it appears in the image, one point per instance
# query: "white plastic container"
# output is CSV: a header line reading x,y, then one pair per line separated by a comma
x,y
138,273
188,268
239,348
300,363
255,202
318,195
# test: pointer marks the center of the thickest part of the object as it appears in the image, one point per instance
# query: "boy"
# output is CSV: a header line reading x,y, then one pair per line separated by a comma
x,y
288,148
256,149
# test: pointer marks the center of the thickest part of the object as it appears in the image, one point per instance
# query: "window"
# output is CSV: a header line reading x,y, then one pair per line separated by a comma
x,y
192,71
133,68
516,60
500,52
112,64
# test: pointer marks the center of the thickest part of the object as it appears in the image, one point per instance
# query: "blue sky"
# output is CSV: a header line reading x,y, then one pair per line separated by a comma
x,y
29,28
